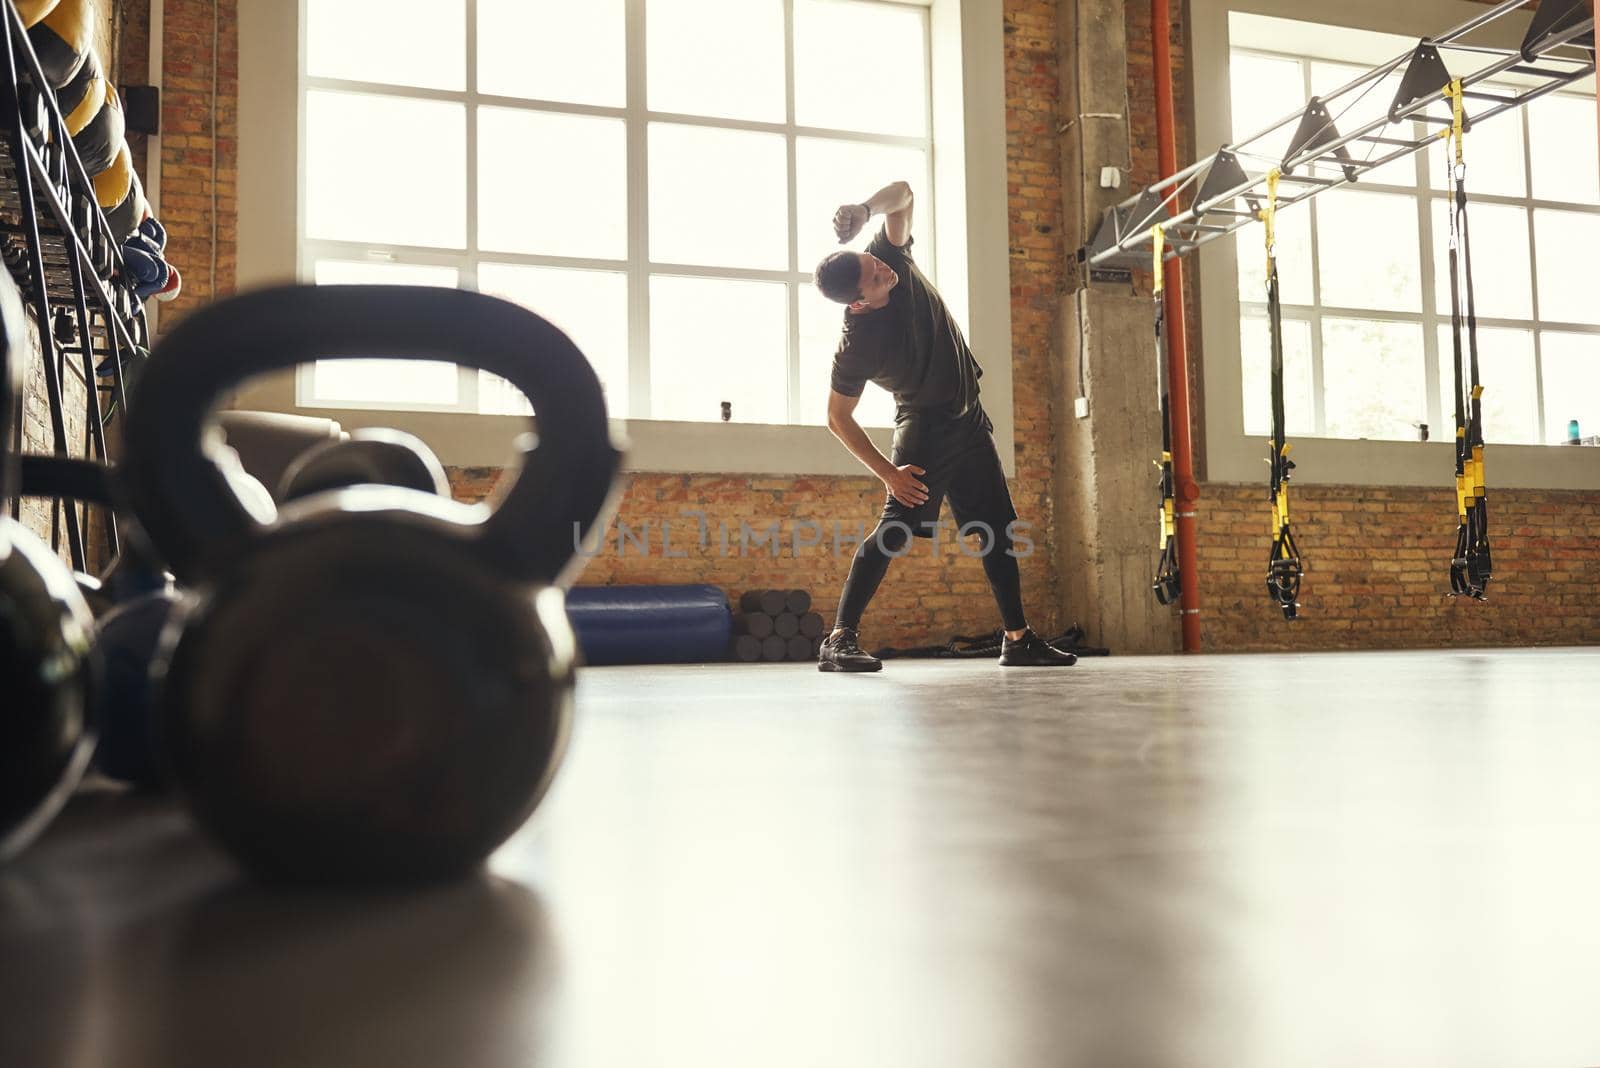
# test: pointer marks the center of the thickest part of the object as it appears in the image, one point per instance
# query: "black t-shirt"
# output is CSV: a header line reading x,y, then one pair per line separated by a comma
x,y
911,347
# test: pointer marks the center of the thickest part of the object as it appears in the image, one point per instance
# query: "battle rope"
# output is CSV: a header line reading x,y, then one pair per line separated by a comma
x,y
1167,585
1470,566
1284,569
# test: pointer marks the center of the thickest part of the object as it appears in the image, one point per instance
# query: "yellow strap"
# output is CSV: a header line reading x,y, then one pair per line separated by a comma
x,y
1457,131
1158,243
1269,214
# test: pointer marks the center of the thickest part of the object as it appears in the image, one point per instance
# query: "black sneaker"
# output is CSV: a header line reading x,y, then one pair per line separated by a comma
x,y
843,654
1030,650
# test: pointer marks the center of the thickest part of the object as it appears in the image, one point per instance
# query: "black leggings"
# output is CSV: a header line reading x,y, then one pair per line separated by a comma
x,y
889,540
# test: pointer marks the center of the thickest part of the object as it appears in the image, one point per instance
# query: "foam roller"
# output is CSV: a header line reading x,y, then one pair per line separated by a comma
x,y
32,11
62,40
101,138
126,216
70,97
650,624
113,184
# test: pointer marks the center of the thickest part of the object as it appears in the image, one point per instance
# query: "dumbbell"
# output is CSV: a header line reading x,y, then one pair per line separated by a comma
x,y
49,671
377,685
373,456
132,601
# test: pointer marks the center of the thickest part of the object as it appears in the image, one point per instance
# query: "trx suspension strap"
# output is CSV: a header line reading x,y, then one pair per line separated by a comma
x,y
1283,566
1166,584
1470,567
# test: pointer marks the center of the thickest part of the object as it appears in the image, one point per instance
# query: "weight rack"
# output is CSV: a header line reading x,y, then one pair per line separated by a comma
x,y
53,235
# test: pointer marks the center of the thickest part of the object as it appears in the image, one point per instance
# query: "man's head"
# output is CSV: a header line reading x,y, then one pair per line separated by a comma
x,y
858,279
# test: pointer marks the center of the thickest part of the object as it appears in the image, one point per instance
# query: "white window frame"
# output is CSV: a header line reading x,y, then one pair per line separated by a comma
x,y
1233,456
968,165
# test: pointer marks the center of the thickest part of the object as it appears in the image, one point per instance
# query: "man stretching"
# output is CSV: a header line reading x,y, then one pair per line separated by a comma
x,y
899,335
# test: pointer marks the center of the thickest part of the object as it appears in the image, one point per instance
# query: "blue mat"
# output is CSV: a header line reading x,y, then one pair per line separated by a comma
x,y
650,624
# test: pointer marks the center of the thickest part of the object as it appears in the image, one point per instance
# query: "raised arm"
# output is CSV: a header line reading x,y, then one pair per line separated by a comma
x,y
893,201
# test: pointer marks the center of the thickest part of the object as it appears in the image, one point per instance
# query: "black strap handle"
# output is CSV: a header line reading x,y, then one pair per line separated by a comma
x,y
197,520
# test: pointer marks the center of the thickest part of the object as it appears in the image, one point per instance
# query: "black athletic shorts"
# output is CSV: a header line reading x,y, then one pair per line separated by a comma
x,y
961,463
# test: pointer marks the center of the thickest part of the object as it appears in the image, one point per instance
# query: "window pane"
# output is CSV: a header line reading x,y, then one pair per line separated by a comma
x,y
1264,89
718,198
1494,156
1571,365
820,320
384,381
861,66
1510,395
553,50
1562,131
591,307
577,206
1354,110
713,340
722,58
1563,241
1367,249
1255,350
830,173
1293,235
1373,382
355,191
1502,281
402,42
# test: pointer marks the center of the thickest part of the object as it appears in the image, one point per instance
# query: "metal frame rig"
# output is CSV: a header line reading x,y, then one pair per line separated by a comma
x,y
1202,202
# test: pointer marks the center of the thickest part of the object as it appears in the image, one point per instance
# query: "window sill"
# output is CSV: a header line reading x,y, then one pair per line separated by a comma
x,y
1327,461
470,440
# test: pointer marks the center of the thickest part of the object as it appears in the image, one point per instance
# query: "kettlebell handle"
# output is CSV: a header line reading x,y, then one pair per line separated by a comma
x,y
66,477
196,520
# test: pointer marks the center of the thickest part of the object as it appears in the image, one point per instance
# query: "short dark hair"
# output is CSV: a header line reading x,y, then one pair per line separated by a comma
x,y
839,277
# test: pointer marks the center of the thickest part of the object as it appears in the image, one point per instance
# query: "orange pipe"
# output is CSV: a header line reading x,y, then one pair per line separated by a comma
x,y
1187,490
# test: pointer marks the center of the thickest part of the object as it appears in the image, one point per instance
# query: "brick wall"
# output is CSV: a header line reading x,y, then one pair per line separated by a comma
x,y
1378,570
193,205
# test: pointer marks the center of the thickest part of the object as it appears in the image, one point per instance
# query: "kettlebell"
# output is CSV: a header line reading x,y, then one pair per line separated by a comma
x,y
131,602
48,670
373,455
376,684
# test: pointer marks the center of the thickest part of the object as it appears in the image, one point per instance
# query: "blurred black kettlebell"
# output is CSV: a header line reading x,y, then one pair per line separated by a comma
x,y
376,456
131,601
48,670
376,684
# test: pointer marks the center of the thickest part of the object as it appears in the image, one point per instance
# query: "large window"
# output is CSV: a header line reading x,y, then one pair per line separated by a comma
x,y
1365,273
654,176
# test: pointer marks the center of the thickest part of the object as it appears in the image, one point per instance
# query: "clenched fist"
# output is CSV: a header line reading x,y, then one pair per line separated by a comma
x,y
848,221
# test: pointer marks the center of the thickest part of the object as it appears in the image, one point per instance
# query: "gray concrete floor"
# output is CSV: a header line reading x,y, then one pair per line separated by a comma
x,y
1342,860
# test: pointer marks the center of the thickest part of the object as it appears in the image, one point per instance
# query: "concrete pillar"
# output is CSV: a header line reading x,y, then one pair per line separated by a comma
x,y
1105,491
